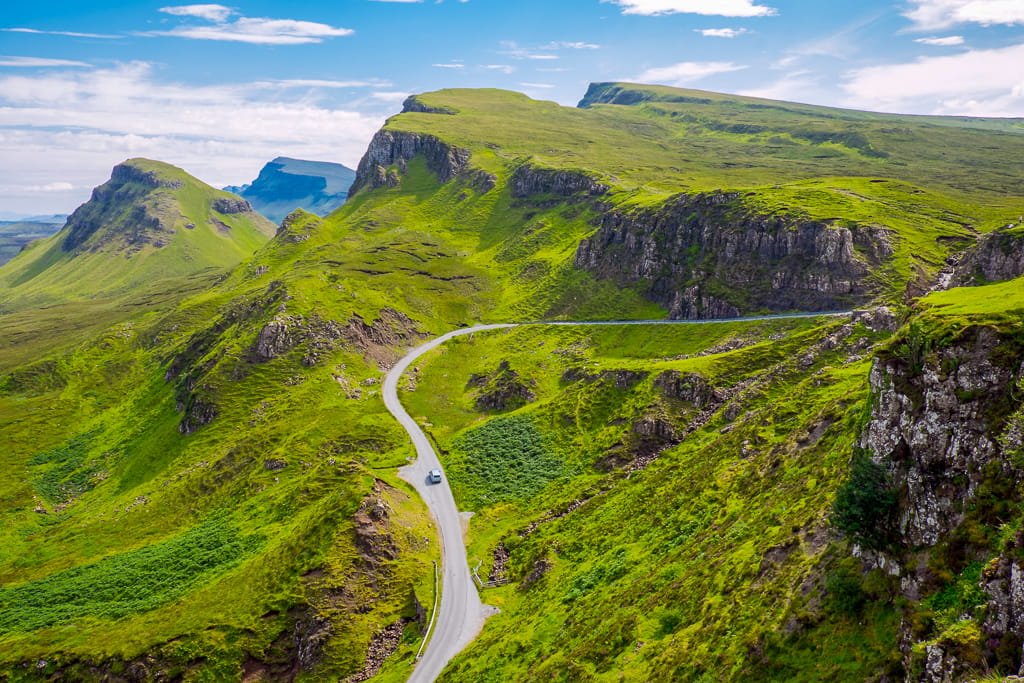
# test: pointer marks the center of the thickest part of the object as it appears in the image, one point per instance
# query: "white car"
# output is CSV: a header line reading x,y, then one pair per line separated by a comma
x,y
434,477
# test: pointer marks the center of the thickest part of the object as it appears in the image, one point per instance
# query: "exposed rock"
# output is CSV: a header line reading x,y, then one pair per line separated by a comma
x,y
198,412
706,256
878,319
129,173
998,256
540,568
274,465
413,104
621,379
936,426
502,389
297,226
528,180
687,386
230,205
372,540
382,645
396,148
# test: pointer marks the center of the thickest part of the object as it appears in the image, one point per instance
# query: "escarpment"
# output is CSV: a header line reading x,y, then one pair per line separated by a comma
x,y
706,256
390,148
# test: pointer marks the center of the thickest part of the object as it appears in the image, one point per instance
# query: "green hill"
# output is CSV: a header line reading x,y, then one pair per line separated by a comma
x,y
201,481
150,221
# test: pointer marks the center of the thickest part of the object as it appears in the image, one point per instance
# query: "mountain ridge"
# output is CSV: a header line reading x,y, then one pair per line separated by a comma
x,y
285,184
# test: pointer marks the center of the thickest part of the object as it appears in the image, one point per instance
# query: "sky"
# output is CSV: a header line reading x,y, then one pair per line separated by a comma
x,y
219,90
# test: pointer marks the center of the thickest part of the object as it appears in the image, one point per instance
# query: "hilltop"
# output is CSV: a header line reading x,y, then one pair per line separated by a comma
x,y
286,184
213,472
150,221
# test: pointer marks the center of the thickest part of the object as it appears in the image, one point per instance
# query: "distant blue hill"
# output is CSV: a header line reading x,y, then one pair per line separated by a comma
x,y
287,184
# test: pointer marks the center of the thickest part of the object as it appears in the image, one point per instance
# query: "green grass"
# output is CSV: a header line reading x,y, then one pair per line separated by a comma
x,y
126,583
638,575
505,459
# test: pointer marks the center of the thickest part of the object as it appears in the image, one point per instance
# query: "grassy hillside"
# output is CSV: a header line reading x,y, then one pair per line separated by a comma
x,y
149,222
201,474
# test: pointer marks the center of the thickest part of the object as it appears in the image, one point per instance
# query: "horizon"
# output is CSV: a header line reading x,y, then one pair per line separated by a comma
x,y
221,90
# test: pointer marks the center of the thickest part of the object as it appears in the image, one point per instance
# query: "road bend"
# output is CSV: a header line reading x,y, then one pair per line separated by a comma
x,y
460,613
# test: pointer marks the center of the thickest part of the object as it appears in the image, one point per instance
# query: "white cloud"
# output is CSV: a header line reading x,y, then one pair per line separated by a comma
x,y
503,68
316,83
453,65
564,45
929,15
536,85
387,96
975,83
685,72
798,86
40,189
721,32
256,30
946,41
216,13
73,126
74,34
724,8
543,52
259,31
38,61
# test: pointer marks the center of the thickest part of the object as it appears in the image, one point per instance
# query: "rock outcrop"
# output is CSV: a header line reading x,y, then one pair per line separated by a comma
x,y
998,256
502,389
707,256
936,424
528,180
947,425
230,205
396,148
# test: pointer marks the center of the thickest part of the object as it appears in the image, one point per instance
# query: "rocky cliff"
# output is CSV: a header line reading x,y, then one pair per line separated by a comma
x,y
393,148
999,255
947,426
707,256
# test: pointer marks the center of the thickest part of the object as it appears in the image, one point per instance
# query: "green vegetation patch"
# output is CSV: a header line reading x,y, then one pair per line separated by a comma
x,y
508,458
128,582
70,475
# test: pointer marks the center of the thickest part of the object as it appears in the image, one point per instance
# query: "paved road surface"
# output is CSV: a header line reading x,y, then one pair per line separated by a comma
x,y
461,614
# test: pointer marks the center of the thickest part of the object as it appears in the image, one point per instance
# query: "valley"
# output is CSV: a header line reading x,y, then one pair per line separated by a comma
x,y
808,468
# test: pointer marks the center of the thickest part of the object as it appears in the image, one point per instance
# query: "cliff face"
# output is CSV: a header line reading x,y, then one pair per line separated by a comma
x,y
937,422
396,148
998,256
947,425
704,256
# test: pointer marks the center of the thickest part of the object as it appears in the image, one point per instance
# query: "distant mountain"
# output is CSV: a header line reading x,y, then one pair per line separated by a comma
x,y
59,218
14,235
287,184
148,222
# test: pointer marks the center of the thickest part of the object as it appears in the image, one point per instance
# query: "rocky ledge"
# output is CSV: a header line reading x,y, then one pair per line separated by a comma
x,y
391,148
707,256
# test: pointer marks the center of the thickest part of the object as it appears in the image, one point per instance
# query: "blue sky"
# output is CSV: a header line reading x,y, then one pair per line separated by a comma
x,y
221,89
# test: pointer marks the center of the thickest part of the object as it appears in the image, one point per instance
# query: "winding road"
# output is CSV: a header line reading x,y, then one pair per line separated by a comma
x,y
461,615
